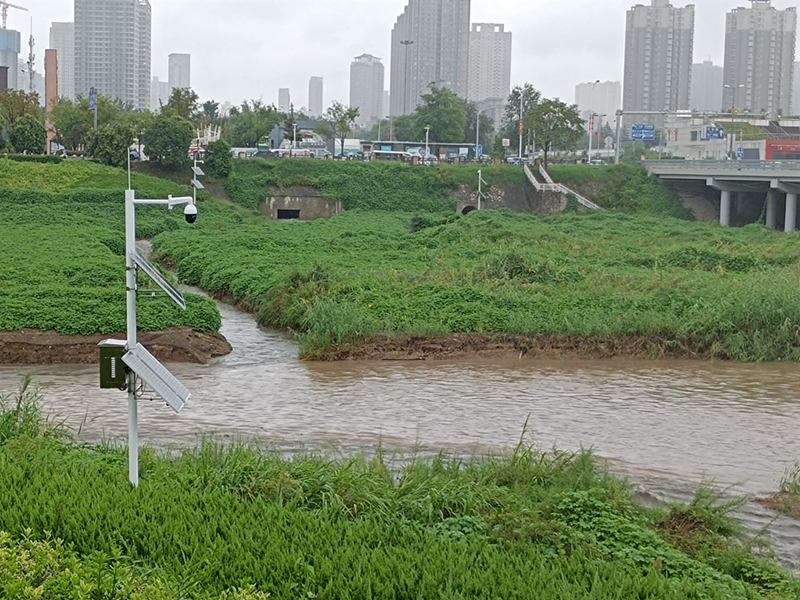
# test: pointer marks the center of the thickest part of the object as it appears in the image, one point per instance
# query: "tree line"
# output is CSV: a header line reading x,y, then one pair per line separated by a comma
x,y
543,124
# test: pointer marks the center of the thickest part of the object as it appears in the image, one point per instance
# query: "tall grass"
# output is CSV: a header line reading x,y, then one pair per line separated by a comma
x,y
213,518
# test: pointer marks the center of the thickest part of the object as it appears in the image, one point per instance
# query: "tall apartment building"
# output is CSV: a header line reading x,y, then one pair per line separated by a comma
x,y
180,71
62,40
366,89
112,49
430,45
315,102
796,89
10,44
706,87
489,81
160,92
659,45
759,58
284,100
601,98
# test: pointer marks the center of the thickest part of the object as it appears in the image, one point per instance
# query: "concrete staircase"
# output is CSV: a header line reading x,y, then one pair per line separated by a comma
x,y
542,182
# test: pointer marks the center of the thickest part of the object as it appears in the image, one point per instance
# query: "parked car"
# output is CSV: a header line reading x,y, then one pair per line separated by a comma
x,y
135,154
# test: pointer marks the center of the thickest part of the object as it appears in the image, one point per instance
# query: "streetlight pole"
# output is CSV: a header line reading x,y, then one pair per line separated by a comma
x,y
407,91
591,118
391,128
478,131
521,96
734,90
427,137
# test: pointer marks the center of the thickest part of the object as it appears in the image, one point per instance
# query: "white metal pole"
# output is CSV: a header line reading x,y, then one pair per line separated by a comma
x,y
480,189
427,137
477,132
133,409
619,137
591,132
521,90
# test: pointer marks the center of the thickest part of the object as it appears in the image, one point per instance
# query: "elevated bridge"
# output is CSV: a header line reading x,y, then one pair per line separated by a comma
x,y
774,178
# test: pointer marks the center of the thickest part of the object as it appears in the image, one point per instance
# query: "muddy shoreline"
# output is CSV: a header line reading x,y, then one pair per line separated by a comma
x,y
179,344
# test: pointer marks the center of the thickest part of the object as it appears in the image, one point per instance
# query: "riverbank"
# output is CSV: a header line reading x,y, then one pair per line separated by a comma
x,y
207,519
178,344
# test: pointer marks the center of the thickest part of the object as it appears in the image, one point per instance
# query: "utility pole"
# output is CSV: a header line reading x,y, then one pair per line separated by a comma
x,y
521,96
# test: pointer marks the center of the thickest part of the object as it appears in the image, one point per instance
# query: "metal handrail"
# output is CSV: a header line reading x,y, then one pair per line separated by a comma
x,y
558,188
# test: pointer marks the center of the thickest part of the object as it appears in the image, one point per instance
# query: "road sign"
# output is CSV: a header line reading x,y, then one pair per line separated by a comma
x,y
712,133
643,133
92,98
506,142
479,150
740,153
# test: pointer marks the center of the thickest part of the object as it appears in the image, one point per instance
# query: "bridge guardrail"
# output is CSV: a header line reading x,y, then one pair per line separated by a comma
x,y
716,165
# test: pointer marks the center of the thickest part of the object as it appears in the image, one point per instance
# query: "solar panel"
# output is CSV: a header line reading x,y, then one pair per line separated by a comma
x,y
198,185
198,171
156,375
156,276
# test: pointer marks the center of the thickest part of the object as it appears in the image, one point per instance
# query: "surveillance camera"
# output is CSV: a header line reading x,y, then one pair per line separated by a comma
x,y
190,212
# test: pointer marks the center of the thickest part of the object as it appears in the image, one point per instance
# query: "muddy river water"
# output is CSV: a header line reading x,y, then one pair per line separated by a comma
x,y
667,425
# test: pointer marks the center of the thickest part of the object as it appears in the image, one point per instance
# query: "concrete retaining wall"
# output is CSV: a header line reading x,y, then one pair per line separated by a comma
x,y
300,203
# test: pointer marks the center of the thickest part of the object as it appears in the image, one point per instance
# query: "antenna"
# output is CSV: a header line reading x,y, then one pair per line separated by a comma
x,y
4,6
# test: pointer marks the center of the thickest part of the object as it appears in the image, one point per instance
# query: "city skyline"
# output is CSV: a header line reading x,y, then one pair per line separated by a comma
x,y
539,52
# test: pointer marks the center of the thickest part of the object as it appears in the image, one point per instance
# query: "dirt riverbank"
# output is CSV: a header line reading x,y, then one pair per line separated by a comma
x,y
180,344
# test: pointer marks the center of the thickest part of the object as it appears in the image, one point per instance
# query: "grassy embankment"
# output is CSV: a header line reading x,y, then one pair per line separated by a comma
x,y
601,284
206,520
62,245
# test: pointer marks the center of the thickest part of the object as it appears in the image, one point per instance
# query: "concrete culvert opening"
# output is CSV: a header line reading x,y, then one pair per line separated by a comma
x,y
468,210
288,215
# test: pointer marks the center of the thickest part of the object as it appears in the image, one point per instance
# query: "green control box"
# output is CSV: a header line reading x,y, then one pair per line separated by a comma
x,y
113,372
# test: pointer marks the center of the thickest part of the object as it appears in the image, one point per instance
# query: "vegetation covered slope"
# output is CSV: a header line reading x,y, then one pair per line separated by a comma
x,y
62,263
680,288
398,187
527,526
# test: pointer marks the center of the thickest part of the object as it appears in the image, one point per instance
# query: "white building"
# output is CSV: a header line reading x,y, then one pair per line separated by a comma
x,y
284,100
659,46
366,89
759,58
706,87
62,40
489,62
180,71
315,99
160,92
112,49
601,98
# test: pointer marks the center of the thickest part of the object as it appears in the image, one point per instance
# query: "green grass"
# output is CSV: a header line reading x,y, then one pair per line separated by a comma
x,y
691,289
63,265
209,519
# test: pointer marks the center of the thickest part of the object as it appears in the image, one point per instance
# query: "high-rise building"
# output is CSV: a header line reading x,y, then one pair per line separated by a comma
x,y
10,41
159,94
62,40
796,89
284,100
603,99
759,58
180,71
366,88
430,45
315,88
489,62
706,87
112,49
659,45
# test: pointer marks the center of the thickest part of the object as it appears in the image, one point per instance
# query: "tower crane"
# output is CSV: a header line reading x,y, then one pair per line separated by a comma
x,y
4,6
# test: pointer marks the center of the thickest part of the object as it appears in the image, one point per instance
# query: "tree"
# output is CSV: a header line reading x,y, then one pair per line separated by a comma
x,y
530,98
219,160
168,140
250,123
445,113
210,112
183,103
73,121
28,135
110,144
340,120
405,128
15,104
554,123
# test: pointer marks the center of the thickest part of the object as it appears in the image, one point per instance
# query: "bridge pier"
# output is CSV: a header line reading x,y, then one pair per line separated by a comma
x,y
725,209
791,213
772,212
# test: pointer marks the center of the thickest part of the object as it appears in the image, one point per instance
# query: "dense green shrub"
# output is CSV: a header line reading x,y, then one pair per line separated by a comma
x,y
28,135
218,159
33,158
208,519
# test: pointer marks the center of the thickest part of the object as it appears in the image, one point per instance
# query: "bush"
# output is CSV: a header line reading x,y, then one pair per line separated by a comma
x,y
111,144
34,158
218,160
28,135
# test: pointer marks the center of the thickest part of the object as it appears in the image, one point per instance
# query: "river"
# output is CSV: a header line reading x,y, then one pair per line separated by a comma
x,y
667,425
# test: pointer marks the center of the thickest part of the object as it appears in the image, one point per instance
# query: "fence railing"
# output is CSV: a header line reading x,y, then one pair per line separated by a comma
x,y
558,188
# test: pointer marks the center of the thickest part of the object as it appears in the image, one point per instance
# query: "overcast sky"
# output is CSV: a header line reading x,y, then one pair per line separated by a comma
x,y
245,49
